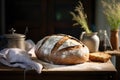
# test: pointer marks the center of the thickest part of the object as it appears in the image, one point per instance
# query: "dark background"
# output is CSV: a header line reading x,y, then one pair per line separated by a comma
x,y
44,17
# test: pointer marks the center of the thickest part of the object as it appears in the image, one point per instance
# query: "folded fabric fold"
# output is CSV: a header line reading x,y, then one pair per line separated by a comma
x,y
15,57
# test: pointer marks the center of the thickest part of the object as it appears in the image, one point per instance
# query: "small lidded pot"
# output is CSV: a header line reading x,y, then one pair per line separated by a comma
x,y
15,40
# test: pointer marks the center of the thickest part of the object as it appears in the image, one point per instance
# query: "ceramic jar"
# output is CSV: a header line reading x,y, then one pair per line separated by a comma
x,y
91,40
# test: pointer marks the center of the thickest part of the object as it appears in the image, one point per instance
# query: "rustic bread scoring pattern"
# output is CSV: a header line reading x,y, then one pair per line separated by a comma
x,y
61,49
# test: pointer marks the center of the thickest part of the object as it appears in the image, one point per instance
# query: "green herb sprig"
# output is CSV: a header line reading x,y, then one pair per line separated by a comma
x,y
112,13
80,17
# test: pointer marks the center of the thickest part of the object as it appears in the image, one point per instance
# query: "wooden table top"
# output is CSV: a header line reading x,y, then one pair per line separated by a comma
x,y
87,66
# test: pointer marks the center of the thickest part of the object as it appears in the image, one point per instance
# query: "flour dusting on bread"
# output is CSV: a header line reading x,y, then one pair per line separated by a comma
x,y
62,49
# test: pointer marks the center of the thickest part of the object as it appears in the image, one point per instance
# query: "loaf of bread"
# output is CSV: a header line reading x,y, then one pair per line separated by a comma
x,y
99,57
61,49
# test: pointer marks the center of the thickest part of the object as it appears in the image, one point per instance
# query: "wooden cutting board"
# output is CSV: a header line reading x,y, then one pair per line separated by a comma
x,y
114,52
87,66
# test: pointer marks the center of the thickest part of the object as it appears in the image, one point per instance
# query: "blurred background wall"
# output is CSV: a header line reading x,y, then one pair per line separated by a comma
x,y
43,17
46,17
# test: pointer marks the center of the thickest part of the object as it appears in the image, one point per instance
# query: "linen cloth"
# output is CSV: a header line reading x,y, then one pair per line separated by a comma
x,y
15,57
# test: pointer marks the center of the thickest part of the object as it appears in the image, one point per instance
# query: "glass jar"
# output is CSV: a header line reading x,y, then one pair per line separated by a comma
x,y
102,36
104,41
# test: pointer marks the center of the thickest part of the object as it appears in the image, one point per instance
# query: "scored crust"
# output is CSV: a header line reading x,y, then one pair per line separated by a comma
x,y
62,49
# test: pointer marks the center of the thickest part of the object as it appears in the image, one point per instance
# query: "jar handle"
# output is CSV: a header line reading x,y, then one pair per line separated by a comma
x,y
81,36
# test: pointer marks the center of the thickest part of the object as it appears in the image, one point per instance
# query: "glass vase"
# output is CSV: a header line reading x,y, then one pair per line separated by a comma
x,y
114,38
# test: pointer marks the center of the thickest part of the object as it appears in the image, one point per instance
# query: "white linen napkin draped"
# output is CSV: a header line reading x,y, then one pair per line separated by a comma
x,y
15,57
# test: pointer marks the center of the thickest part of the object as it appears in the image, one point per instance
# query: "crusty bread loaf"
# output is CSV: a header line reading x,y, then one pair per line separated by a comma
x,y
99,57
61,49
